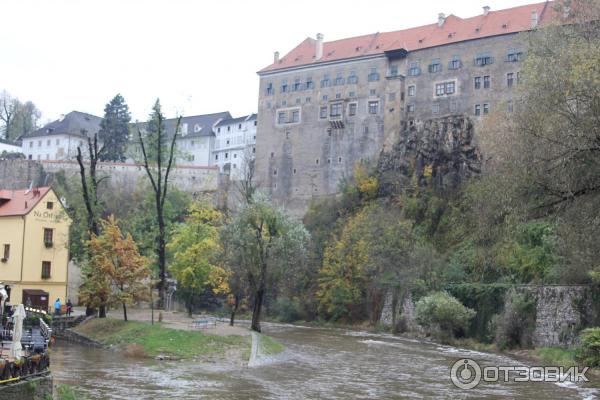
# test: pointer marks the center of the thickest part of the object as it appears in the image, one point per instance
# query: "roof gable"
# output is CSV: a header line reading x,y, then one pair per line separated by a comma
x,y
21,202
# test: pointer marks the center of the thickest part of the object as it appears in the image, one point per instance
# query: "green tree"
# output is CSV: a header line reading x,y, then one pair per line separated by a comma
x,y
18,118
267,243
443,314
197,253
114,129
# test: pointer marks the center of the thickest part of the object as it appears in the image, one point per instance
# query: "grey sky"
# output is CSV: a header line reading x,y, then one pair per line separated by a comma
x,y
197,56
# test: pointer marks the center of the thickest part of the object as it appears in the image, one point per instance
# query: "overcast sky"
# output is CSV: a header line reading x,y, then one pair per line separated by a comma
x,y
197,56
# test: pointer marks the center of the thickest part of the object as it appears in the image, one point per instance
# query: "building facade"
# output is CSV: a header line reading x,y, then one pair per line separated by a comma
x,y
328,105
235,145
34,238
9,147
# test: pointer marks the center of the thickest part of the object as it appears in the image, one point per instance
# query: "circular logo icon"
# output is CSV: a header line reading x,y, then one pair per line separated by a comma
x,y
465,374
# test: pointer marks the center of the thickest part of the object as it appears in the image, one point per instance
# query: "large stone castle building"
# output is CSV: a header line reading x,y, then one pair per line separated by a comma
x,y
326,105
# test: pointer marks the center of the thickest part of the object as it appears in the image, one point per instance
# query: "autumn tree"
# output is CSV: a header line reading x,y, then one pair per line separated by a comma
x,y
114,129
158,158
267,243
197,254
118,262
18,118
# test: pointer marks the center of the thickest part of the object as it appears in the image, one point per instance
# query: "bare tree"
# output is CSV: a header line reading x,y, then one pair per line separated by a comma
x,y
156,149
8,108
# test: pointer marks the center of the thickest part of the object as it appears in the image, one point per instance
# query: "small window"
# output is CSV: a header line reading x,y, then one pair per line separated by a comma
x,y
48,142
509,106
46,269
336,110
309,84
351,94
6,254
392,96
338,95
240,126
510,79
284,87
57,142
229,129
373,107
325,82
483,60
323,112
477,82
373,75
297,85
325,97
216,156
281,117
274,172
296,116
487,82
31,144
226,156
435,108
394,70
410,108
477,110
435,66
352,109
317,161
514,55
269,89
339,80
352,79
372,92
450,87
455,63
48,237
298,100
486,109
414,69
412,90
49,205
440,89
307,100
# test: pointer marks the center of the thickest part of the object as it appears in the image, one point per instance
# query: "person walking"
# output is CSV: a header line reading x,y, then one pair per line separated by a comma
x,y
57,305
69,307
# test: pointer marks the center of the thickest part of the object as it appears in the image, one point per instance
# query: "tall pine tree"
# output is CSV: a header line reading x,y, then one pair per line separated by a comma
x,y
114,129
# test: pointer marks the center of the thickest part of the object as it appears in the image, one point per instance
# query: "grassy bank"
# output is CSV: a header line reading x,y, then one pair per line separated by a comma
x,y
144,339
270,346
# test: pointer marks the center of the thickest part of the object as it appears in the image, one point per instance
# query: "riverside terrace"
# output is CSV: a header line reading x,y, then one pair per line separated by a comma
x,y
24,341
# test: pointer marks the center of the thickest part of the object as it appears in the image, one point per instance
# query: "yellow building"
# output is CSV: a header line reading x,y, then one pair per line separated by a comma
x,y
34,253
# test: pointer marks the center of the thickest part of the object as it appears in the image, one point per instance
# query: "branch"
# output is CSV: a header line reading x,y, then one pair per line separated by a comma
x,y
169,165
146,167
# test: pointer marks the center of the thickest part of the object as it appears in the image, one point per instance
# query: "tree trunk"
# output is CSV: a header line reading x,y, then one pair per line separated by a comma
x,y
234,309
124,312
258,300
190,305
102,311
162,289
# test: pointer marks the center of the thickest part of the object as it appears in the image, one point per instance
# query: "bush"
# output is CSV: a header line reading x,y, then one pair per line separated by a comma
x,y
443,315
589,351
515,325
286,309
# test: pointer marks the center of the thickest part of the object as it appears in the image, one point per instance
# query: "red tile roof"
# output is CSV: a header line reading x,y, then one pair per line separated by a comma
x,y
454,29
20,202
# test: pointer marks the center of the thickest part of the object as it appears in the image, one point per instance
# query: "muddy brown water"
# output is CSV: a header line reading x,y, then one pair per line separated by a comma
x,y
317,364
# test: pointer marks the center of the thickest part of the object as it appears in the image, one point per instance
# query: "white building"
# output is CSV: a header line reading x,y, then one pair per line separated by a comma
x,y
59,140
235,145
196,137
9,147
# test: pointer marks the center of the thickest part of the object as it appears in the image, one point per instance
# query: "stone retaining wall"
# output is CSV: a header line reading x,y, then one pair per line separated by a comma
x,y
39,388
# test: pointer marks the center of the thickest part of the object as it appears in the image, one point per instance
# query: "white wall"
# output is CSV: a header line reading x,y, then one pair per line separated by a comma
x,y
9,148
53,147
193,151
234,145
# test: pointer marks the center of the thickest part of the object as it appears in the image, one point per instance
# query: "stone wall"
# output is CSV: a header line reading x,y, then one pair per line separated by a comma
x,y
39,388
561,312
19,174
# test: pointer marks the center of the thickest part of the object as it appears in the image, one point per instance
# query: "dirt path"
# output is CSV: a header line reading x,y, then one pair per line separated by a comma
x,y
178,320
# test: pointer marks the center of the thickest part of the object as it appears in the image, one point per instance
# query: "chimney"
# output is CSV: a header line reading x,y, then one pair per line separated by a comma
x,y
441,19
276,57
534,19
319,47
486,10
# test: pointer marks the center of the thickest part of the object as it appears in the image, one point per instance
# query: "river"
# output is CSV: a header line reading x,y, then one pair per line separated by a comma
x,y
317,364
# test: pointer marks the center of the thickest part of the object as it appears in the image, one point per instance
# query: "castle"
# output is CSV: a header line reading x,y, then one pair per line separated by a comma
x,y
327,105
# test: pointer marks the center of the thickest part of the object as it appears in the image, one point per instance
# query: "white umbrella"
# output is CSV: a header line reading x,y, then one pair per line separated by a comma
x,y
16,351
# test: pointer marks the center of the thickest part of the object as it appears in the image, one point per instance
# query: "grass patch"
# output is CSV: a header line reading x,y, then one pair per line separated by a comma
x,y
66,392
157,340
270,346
556,356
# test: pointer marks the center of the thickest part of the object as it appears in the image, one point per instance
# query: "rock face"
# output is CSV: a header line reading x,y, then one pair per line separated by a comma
x,y
443,149
561,313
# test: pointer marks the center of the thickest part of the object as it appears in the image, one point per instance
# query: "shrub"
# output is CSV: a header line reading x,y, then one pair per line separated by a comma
x,y
443,315
589,351
286,309
515,325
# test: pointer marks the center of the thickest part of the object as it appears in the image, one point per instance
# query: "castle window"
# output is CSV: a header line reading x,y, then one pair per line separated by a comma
x,y
317,161
445,88
229,129
216,156
339,80
323,112
226,156
477,82
373,75
435,108
455,63
392,96
514,55
372,92
486,108
307,100
240,126
325,97
309,84
48,237
338,95
284,87
298,100
281,117
435,66
412,90
487,82
351,94
352,78
352,109
510,78
46,269
440,89
325,82
477,110
336,110
296,116
483,60
297,85
410,108
450,87
269,90
394,70
414,69
274,172
373,107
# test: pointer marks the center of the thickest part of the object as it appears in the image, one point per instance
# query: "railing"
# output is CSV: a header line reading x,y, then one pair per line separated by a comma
x,y
45,330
